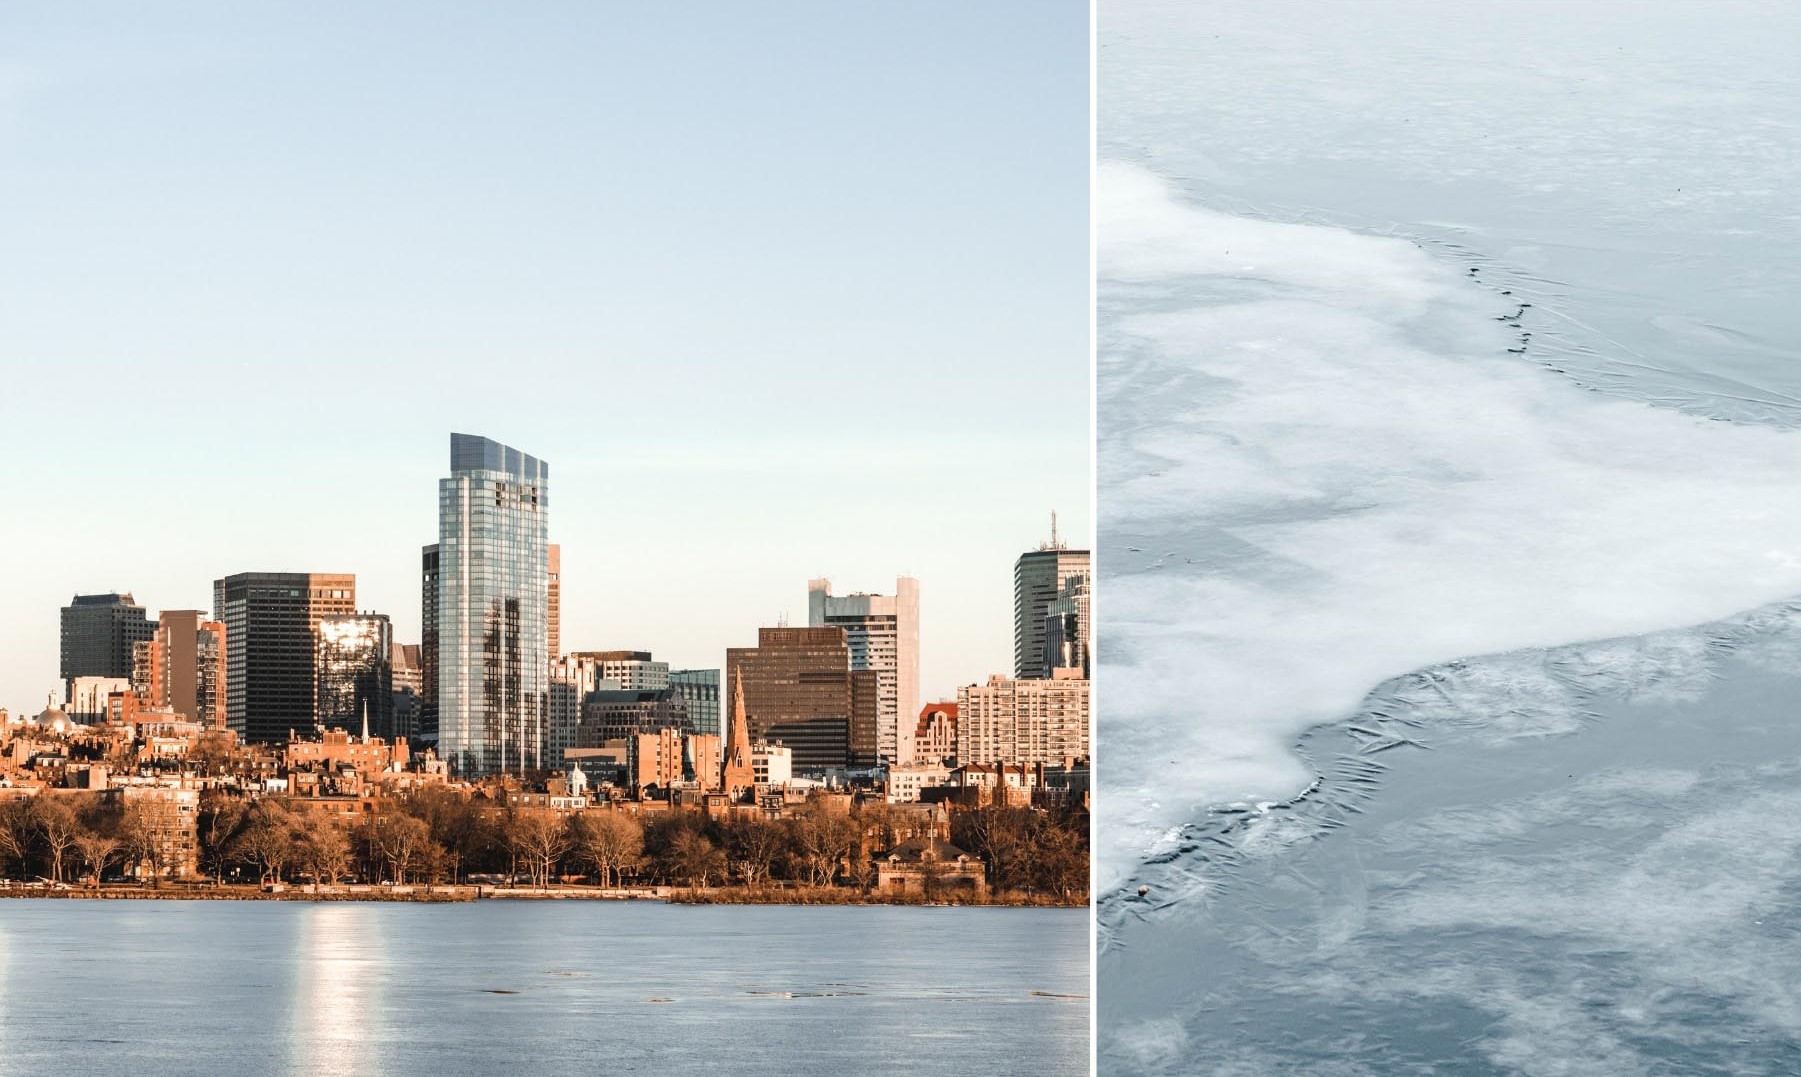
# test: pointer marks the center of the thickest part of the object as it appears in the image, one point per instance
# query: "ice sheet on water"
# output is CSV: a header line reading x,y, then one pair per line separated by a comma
x,y
1513,901
1319,469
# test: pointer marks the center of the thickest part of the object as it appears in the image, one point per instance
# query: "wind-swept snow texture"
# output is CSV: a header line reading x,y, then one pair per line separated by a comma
x,y
1320,469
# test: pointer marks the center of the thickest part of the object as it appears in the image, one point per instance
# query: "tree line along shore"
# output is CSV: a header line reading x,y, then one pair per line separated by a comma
x,y
435,845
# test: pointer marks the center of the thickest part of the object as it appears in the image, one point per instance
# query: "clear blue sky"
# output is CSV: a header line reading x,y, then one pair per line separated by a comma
x,y
778,290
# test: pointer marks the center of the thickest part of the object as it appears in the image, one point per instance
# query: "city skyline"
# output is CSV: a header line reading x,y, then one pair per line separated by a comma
x,y
790,338
958,671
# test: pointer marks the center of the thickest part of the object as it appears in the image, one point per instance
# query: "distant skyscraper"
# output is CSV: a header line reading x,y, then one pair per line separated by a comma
x,y
409,683
572,678
1066,629
553,610
882,632
355,679
188,653
99,634
271,623
428,644
1039,576
700,689
635,671
493,665
611,714
799,689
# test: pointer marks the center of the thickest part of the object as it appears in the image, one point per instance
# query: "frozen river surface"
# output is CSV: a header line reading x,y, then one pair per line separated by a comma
x,y
1437,337
134,987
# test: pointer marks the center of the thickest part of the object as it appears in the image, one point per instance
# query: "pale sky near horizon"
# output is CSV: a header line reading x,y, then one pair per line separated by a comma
x,y
778,291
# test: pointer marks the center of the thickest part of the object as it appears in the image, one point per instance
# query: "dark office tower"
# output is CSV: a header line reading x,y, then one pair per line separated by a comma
x,y
99,633
799,689
271,622
428,645
493,590
1039,577
553,610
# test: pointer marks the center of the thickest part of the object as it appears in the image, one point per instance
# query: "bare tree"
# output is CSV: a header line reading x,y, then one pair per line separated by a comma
x,y
693,857
401,840
324,851
823,839
54,820
15,830
540,839
222,818
267,840
140,835
610,840
755,846
96,851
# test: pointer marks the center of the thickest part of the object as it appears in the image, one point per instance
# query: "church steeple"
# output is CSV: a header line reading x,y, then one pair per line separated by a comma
x,y
737,776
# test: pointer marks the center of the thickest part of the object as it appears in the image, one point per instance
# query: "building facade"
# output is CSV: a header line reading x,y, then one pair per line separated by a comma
x,y
553,601
633,671
1039,577
799,690
611,714
1023,721
935,736
699,689
100,634
356,680
882,635
428,644
1066,629
271,621
187,673
493,663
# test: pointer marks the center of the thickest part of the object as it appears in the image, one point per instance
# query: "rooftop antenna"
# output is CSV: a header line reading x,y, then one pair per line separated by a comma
x,y
1055,545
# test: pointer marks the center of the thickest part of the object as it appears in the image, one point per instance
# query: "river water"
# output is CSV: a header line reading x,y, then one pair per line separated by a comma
x,y
133,987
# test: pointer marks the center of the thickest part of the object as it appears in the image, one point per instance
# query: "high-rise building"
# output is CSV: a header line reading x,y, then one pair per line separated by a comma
x,y
614,714
798,688
635,671
553,609
882,633
187,667
1066,629
493,665
99,634
1039,576
355,679
271,621
572,678
403,667
699,688
428,643
1023,721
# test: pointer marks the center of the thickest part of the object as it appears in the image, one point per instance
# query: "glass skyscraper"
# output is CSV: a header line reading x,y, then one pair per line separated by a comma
x,y
356,682
493,665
